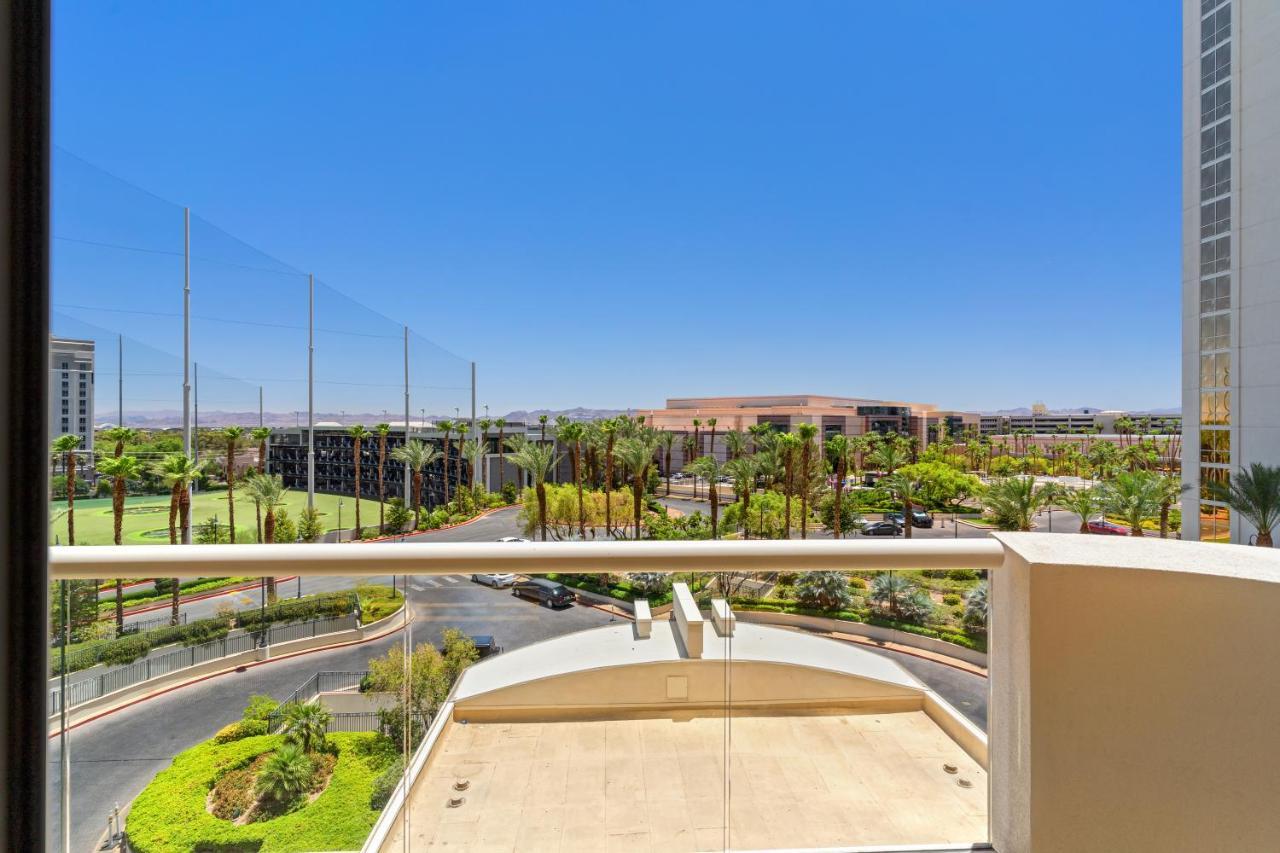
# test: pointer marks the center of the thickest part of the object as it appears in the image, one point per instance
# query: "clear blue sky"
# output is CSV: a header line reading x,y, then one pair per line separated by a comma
x,y
973,204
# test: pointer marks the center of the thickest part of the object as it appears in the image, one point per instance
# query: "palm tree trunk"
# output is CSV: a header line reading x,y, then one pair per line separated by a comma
x,y
577,479
637,497
356,452
173,512
608,486
715,509
270,532
906,520
457,462
668,470
417,498
502,467
804,493
541,491
1264,539
1164,521
835,527
382,492
257,513
71,498
786,491
746,513
231,490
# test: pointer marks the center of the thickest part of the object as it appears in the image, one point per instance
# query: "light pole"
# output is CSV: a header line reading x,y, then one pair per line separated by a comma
x,y
339,519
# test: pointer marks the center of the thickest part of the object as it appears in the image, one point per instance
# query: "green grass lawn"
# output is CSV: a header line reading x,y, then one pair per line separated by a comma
x,y
146,517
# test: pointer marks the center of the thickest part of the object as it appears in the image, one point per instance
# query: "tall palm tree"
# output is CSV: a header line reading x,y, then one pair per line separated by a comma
x,y
610,429
1013,501
711,444
269,491
120,435
418,455
501,424
572,434
120,469
1133,496
1255,494
457,462
665,440
1170,492
358,434
260,435
710,468
445,427
743,470
908,492
806,434
838,451
636,455
179,471
67,445
232,436
542,422
1085,503
762,436
888,456
788,447
735,443
689,444
382,430
537,459
474,450
697,438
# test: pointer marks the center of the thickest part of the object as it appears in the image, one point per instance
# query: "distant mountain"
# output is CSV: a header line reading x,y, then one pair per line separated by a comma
x,y
1023,411
579,413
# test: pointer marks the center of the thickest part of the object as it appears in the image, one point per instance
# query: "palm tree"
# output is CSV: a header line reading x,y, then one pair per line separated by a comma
x,y
418,455
711,445
260,435
537,459
572,434
1085,503
382,430
838,451
708,467
474,450
268,491
788,448
1134,496
232,435
743,470
762,436
305,723
180,471
888,456
358,434
542,422
1013,501
636,455
445,427
665,440
689,444
120,469
1255,495
908,492
67,445
120,435
1170,492
501,424
457,463
806,433
610,429
697,438
285,775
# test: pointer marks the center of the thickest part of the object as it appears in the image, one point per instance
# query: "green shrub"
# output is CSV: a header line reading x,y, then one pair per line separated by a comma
x,y
951,599
125,650
170,812
240,730
260,707
509,493
962,575
386,782
857,583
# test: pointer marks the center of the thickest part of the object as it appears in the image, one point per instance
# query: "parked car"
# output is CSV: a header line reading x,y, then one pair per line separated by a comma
x,y
513,539
919,518
1107,528
881,528
497,580
485,645
545,592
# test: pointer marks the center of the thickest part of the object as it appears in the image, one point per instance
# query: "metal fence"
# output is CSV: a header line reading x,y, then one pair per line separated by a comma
x,y
144,625
321,682
157,664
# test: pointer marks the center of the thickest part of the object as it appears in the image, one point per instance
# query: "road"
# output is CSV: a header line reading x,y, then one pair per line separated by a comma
x,y
113,758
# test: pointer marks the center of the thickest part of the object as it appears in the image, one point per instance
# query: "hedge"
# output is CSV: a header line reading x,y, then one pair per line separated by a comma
x,y
170,813
976,641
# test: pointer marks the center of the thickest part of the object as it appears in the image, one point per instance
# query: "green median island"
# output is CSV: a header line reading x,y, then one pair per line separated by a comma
x,y
264,793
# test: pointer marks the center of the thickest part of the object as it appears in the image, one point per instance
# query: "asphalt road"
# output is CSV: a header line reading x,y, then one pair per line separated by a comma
x,y
113,758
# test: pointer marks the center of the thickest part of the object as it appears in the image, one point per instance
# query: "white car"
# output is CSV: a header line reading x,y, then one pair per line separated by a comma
x,y
512,539
495,580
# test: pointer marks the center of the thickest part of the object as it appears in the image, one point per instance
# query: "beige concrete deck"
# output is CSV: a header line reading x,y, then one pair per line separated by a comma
x,y
841,779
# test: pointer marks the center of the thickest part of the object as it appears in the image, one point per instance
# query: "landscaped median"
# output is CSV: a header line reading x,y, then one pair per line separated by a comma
x,y
176,811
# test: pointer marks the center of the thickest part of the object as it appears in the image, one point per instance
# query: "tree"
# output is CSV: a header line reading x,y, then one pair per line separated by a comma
x,y
941,484
711,430
474,450
886,591
232,435
1085,503
788,449
838,451
542,422
305,723
1013,501
501,424
382,430
269,492
665,440
260,435
1255,495
67,445
710,469
572,435
888,456
537,459
445,427
906,490
417,455
806,434
358,434
975,606
285,775
735,443
610,429
179,470
309,526
120,469
121,435
826,590
742,469
431,674
636,455
1133,496
1170,491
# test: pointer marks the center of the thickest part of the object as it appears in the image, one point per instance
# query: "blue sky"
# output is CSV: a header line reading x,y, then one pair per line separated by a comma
x,y
973,204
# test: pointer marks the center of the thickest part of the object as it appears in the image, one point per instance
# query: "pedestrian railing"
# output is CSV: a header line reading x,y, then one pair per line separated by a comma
x,y
321,682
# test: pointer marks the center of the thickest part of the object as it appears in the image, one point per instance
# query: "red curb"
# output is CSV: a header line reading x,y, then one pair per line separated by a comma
x,y
225,672
147,608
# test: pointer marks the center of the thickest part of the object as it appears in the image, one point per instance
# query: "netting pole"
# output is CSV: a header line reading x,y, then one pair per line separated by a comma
x,y
120,377
311,391
407,473
186,354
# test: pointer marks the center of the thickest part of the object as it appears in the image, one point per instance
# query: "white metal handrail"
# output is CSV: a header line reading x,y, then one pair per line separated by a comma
x,y
446,558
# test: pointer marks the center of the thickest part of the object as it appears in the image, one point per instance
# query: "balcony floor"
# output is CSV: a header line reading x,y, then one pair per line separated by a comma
x,y
840,779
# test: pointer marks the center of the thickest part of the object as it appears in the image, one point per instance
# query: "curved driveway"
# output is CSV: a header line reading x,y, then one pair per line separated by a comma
x,y
113,758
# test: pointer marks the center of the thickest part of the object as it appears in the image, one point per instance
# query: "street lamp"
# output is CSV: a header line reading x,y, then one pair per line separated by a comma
x,y
339,519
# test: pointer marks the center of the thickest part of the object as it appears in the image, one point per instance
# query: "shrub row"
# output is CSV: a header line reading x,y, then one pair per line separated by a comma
x,y
976,641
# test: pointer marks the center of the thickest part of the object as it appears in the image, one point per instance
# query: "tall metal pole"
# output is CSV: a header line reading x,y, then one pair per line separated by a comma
x,y
473,399
195,441
120,376
311,391
186,330
407,473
